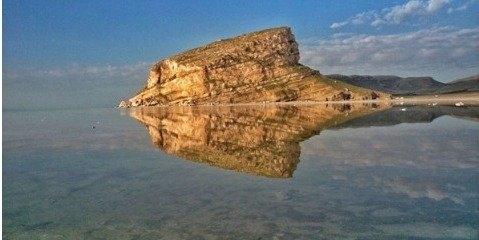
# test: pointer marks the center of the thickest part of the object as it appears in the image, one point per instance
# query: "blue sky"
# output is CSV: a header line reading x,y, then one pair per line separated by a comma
x,y
61,43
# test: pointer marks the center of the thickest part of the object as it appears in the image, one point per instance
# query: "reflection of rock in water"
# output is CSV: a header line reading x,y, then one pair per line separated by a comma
x,y
255,139
412,114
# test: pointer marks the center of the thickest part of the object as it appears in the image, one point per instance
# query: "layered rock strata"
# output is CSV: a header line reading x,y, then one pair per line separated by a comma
x,y
256,67
257,140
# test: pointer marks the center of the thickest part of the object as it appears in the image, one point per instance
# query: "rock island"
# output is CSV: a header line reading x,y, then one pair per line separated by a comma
x,y
257,67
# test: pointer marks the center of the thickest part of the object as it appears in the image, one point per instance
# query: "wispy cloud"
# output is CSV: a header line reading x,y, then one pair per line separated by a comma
x,y
360,18
435,50
461,7
396,14
75,70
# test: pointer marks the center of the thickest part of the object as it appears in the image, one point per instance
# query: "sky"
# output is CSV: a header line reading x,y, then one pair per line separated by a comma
x,y
93,53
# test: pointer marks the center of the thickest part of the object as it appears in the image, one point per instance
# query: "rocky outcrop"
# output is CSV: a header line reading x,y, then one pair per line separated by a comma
x,y
257,140
255,67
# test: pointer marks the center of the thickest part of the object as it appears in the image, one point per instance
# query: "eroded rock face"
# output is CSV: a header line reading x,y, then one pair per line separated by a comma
x,y
257,140
255,67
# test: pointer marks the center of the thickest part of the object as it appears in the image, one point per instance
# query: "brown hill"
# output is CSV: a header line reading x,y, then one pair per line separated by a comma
x,y
255,67
392,84
410,85
469,84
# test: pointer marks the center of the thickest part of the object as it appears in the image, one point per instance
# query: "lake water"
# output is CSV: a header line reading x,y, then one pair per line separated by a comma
x,y
245,172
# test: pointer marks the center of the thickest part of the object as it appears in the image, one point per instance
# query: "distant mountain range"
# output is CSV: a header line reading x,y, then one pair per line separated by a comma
x,y
410,85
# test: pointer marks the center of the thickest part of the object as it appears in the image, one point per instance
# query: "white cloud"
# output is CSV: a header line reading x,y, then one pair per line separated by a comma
x,y
435,5
377,22
394,15
105,71
462,7
398,13
339,24
358,19
432,50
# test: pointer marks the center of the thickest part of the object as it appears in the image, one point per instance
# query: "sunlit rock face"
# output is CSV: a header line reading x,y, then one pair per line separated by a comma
x,y
255,67
261,140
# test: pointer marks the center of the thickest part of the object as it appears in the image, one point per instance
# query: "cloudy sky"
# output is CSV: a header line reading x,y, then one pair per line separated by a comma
x,y
75,45
438,38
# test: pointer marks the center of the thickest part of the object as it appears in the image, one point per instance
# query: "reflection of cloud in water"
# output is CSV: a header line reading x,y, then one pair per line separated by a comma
x,y
419,159
393,146
429,231
96,129
422,189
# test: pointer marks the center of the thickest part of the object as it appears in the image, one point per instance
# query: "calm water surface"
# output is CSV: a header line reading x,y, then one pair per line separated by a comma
x,y
291,172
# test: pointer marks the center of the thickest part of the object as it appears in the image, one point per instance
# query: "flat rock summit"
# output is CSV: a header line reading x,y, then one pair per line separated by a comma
x,y
260,66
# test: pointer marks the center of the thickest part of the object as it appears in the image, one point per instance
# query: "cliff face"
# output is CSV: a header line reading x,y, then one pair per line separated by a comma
x,y
257,140
255,67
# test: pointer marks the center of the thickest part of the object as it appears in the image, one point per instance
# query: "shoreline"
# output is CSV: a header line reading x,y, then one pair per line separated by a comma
x,y
455,99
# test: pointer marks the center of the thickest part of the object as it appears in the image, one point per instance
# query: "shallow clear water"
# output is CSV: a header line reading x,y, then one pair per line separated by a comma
x,y
400,173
